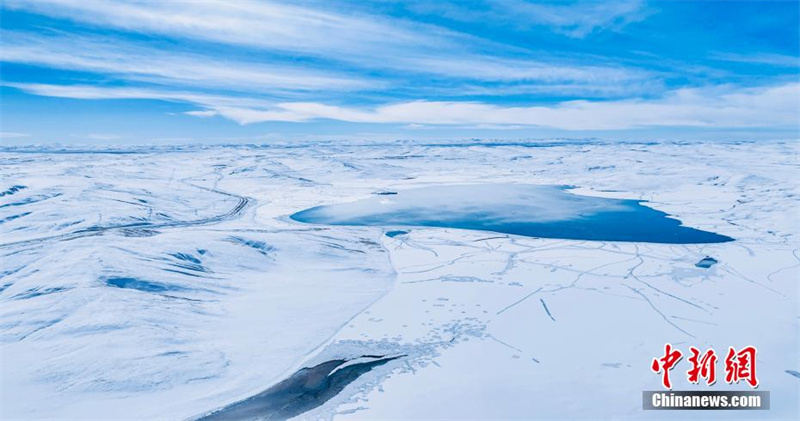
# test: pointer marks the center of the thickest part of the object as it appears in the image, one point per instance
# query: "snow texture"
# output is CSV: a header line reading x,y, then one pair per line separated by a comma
x,y
167,282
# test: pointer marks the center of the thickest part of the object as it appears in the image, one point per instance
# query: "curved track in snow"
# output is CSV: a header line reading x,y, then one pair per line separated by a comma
x,y
236,211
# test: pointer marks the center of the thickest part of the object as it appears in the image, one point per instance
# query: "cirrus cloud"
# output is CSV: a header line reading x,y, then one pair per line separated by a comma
x,y
722,106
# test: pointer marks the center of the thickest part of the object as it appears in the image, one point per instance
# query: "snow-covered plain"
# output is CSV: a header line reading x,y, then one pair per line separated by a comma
x,y
146,283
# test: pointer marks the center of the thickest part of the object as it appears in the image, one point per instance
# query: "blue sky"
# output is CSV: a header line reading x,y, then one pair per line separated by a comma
x,y
255,71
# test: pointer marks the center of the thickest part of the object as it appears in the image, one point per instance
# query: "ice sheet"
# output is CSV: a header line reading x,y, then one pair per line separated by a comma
x,y
168,282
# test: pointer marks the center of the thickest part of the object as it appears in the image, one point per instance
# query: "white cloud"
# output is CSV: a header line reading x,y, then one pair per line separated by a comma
x,y
718,107
573,19
583,18
365,41
7,135
780,60
763,107
269,25
202,113
113,56
99,93
504,69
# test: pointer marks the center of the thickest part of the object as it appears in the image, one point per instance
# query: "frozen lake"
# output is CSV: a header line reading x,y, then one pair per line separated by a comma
x,y
520,209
